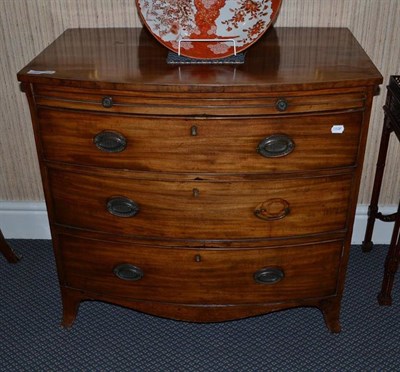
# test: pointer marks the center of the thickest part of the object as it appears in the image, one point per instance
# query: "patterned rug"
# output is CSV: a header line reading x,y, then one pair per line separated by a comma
x,y
111,338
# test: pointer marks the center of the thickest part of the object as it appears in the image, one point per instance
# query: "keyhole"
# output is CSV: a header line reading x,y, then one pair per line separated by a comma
x,y
196,193
193,131
197,258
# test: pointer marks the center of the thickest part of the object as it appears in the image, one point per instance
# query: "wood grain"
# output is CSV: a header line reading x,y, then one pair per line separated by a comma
x,y
219,145
172,210
217,278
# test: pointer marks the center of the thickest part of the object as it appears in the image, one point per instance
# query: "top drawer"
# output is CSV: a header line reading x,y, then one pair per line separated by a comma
x,y
269,144
216,104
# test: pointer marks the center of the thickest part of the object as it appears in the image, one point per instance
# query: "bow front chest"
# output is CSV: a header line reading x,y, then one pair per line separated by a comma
x,y
203,192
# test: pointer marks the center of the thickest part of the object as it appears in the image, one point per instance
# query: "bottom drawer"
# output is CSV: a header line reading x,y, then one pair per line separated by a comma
x,y
199,276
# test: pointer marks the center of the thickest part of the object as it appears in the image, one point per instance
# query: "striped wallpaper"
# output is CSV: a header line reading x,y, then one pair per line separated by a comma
x,y
27,26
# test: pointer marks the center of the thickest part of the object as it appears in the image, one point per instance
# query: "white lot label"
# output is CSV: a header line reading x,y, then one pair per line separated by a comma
x,y
337,129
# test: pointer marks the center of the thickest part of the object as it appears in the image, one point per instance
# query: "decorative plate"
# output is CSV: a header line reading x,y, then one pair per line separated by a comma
x,y
207,29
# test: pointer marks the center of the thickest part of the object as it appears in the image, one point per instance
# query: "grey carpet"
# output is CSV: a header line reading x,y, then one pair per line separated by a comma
x,y
111,338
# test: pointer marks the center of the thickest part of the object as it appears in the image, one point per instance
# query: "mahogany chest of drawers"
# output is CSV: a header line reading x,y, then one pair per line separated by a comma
x,y
201,192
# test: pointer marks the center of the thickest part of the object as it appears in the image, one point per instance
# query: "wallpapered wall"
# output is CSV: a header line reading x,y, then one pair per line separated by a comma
x,y
27,26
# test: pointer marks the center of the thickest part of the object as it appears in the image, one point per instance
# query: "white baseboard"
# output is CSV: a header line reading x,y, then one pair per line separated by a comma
x,y
24,220
382,230
28,220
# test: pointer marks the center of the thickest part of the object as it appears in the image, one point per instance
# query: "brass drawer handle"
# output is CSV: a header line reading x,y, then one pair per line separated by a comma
x,y
128,272
121,206
269,275
281,104
276,145
272,209
110,141
107,102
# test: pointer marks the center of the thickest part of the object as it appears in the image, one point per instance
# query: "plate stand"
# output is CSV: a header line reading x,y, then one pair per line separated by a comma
x,y
176,59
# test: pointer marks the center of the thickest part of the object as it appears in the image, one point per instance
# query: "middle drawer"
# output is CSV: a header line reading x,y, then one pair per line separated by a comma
x,y
200,209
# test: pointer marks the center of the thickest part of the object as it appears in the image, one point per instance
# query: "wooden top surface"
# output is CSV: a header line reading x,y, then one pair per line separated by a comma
x,y
284,59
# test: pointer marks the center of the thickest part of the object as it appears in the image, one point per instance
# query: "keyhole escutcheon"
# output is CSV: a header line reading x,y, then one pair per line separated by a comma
x,y
193,131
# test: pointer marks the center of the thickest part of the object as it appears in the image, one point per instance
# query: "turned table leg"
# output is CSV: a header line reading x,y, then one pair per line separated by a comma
x,y
367,244
391,124
391,264
7,251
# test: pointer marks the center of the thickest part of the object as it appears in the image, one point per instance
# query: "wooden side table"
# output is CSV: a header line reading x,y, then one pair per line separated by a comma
x,y
7,251
391,124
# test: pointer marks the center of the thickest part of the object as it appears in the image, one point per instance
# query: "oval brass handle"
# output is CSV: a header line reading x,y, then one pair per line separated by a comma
x,y
110,141
121,206
269,275
276,145
281,104
107,102
272,209
128,272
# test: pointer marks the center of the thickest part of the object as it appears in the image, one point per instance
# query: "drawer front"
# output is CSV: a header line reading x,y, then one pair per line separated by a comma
x,y
201,210
242,276
226,104
246,145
